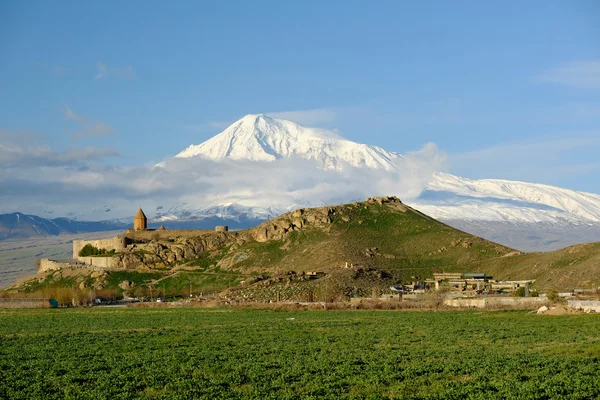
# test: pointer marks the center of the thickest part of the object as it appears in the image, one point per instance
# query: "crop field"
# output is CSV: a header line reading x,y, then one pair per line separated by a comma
x,y
104,353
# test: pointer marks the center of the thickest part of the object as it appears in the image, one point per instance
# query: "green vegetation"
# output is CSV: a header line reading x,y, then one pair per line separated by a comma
x,y
237,354
390,237
204,261
90,250
408,244
383,241
138,278
563,270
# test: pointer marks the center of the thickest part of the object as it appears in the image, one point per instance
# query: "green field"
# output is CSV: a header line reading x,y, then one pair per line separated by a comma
x,y
232,353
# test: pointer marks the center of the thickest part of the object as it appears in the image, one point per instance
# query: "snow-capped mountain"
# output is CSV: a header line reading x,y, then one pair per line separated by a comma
x,y
458,201
450,197
260,167
231,212
258,137
580,206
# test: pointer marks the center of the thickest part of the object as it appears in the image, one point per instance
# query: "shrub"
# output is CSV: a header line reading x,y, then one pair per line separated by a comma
x,y
553,295
91,250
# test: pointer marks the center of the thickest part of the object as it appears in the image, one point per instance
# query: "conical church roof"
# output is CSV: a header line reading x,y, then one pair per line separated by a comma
x,y
140,214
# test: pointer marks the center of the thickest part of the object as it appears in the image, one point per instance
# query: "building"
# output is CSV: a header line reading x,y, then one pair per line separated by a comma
x,y
140,222
459,281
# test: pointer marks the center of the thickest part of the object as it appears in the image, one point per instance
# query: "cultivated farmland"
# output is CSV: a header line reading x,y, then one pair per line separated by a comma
x,y
233,353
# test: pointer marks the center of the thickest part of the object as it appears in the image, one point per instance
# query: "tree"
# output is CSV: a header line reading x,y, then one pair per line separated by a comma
x,y
90,250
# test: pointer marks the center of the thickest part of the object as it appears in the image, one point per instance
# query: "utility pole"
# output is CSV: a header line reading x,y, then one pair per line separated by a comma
x,y
149,286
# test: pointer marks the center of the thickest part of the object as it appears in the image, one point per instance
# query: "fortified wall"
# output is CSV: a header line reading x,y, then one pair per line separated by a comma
x,y
115,243
53,265
99,262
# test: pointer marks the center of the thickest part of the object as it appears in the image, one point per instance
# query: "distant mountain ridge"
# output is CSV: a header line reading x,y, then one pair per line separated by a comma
x,y
23,226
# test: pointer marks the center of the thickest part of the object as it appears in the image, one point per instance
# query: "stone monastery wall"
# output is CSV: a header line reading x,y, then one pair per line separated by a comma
x,y
108,244
98,262
51,265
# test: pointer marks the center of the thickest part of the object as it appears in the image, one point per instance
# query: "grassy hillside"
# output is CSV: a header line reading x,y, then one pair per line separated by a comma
x,y
573,267
355,247
386,235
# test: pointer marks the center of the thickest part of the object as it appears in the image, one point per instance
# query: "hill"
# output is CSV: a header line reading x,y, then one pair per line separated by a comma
x,y
350,249
533,212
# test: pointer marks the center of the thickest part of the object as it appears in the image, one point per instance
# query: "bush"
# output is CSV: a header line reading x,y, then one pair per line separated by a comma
x,y
91,250
552,295
520,292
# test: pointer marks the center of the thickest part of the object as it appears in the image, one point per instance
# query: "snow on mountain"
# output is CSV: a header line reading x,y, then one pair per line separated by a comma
x,y
258,137
230,211
447,197
450,197
580,205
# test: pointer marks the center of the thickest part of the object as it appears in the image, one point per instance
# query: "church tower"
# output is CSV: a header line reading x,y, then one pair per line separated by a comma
x,y
140,221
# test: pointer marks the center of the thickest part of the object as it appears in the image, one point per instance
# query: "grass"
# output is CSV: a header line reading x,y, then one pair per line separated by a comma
x,y
260,354
204,261
139,278
407,242
391,237
201,282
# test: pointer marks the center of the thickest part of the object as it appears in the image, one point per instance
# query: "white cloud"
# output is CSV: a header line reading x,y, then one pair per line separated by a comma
x,y
576,74
104,71
73,181
86,128
314,117
20,154
71,115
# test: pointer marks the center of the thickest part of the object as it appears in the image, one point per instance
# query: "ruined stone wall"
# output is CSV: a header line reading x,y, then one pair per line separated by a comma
x,y
51,265
516,302
585,305
108,244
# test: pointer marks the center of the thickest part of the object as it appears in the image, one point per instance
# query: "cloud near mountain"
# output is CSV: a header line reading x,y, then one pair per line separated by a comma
x,y
202,182
261,166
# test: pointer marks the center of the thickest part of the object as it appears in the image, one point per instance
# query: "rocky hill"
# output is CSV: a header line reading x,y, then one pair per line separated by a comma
x,y
348,248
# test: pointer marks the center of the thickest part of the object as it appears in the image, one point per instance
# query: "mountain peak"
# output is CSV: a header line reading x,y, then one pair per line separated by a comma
x,y
259,137
254,117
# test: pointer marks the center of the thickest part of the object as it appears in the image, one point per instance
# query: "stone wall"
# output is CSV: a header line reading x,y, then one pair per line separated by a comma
x,y
516,302
99,262
51,265
115,243
585,305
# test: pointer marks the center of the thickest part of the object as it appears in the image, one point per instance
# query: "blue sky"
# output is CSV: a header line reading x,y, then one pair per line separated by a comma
x,y
507,89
